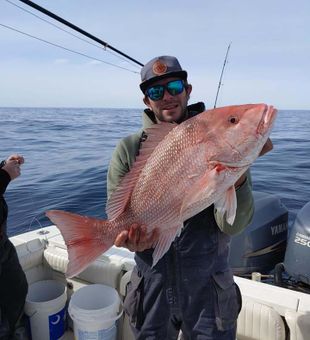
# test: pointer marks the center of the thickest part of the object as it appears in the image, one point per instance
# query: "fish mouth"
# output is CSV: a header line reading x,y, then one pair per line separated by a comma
x,y
266,122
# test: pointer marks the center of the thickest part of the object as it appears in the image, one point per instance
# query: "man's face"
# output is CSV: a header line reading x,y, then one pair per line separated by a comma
x,y
171,108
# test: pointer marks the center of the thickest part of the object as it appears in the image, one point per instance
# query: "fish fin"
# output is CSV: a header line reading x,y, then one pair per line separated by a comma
x,y
227,204
202,188
83,237
164,243
120,198
157,132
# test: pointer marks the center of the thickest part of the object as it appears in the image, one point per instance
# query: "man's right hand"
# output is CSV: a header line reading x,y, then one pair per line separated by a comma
x,y
136,238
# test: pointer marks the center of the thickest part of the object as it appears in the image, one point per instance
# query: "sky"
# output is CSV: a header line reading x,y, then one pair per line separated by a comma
x,y
269,58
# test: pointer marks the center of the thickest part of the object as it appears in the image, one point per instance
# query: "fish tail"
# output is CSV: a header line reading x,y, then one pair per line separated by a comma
x,y
83,237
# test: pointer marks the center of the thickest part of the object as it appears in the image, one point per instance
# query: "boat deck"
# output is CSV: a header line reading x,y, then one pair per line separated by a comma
x,y
268,312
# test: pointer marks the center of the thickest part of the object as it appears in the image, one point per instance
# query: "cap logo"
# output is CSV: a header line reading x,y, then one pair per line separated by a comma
x,y
159,68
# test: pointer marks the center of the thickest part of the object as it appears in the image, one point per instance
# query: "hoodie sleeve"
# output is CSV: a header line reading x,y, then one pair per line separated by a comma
x,y
122,160
245,209
4,181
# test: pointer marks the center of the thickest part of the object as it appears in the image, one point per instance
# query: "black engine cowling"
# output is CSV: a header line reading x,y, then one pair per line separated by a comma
x,y
297,256
262,244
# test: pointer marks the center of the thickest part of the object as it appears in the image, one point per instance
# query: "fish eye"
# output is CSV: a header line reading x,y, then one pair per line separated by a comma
x,y
233,120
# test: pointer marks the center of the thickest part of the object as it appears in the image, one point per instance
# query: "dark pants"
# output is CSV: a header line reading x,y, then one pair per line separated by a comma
x,y
190,289
202,311
13,289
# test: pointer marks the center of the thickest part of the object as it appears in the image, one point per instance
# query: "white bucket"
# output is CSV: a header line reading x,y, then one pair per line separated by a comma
x,y
94,311
46,309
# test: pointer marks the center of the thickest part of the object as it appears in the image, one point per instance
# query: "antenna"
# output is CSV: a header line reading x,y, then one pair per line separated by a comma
x,y
220,81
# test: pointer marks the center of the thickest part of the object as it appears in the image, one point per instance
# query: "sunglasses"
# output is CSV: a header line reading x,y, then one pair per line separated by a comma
x,y
157,92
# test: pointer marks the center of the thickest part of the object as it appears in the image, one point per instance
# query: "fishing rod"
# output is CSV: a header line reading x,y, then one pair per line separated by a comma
x,y
78,29
220,81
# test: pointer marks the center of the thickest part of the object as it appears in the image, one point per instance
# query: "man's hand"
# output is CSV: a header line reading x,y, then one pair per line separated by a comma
x,y
136,238
20,159
12,165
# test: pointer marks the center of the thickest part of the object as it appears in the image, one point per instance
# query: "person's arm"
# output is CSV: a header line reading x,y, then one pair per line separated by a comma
x,y
12,165
118,167
10,169
4,181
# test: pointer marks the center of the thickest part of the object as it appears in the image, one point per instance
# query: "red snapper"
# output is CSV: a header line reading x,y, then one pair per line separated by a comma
x,y
180,170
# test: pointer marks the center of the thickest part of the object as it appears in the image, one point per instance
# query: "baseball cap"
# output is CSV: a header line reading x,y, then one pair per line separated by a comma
x,y
159,68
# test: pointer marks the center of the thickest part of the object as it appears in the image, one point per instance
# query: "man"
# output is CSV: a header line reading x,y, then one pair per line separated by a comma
x,y
191,288
13,283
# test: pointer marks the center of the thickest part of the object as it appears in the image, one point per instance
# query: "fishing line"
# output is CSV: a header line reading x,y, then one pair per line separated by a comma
x,y
41,231
67,49
72,34
78,29
35,218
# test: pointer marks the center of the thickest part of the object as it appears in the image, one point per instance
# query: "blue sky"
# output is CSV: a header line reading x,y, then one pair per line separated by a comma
x,y
269,59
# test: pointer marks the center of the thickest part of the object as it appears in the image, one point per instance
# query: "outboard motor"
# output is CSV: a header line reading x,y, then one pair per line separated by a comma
x,y
262,244
297,256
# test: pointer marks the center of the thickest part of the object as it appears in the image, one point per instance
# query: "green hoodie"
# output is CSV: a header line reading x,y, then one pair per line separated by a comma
x,y
125,154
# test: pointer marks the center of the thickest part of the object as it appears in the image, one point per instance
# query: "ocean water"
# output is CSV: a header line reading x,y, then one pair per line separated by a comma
x,y
67,152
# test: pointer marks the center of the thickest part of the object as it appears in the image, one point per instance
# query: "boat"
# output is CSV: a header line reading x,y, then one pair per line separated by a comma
x,y
271,309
